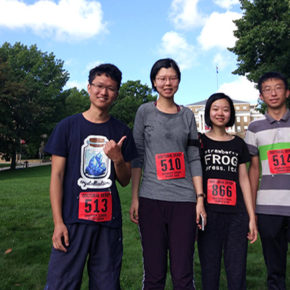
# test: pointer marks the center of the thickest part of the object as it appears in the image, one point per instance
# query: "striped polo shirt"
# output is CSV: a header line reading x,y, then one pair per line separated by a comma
x,y
270,139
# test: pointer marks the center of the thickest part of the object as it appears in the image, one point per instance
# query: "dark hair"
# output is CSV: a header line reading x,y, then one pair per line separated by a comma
x,y
109,70
163,63
271,75
213,98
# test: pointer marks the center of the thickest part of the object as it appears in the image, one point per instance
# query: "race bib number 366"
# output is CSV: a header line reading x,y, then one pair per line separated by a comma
x,y
221,191
95,206
279,161
170,165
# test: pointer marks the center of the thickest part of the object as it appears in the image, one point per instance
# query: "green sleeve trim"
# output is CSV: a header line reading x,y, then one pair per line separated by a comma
x,y
264,149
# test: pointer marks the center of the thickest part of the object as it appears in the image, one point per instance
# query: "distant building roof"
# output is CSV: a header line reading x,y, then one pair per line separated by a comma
x,y
204,102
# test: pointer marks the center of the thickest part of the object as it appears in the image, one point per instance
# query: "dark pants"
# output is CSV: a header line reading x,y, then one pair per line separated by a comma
x,y
225,234
275,234
167,226
103,246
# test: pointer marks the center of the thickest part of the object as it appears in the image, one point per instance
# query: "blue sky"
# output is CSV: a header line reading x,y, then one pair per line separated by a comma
x,y
133,34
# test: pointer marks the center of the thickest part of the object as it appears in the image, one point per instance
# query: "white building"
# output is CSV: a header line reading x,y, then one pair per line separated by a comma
x,y
245,113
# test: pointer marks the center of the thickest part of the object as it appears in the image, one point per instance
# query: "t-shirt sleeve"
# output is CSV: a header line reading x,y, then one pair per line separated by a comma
x,y
129,148
57,142
251,142
245,155
193,149
138,134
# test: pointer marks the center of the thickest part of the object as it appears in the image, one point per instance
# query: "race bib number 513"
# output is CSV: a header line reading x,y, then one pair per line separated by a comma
x,y
279,161
170,165
95,206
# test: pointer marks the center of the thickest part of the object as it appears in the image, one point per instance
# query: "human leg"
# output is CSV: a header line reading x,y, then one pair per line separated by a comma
x,y
154,238
273,233
235,251
105,258
288,228
181,229
210,244
65,270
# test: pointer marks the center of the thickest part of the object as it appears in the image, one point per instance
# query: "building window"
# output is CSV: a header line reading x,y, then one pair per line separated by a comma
x,y
237,107
238,128
245,118
238,119
244,107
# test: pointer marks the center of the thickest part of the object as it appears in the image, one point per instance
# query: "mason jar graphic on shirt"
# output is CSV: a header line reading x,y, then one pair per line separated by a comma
x,y
95,164
95,160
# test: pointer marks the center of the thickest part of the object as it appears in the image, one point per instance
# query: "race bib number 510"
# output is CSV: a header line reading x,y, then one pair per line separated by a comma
x,y
95,206
170,165
279,161
221,191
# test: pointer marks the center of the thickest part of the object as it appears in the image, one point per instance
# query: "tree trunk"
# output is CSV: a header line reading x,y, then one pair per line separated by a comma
x,y
13,161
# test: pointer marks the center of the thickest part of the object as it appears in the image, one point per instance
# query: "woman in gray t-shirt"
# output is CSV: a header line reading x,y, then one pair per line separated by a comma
x,y
168,204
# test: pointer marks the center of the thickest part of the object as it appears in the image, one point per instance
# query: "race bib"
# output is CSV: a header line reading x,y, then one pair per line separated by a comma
x,y
279,161
95,206
221,191
170,165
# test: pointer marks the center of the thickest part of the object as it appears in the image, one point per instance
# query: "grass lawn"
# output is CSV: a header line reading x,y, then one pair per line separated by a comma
x,y
26,228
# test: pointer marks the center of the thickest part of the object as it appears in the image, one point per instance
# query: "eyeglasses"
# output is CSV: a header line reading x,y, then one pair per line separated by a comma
x,y
100,87
277,89
163,80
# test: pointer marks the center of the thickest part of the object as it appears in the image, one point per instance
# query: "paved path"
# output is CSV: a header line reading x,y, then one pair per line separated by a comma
x,y
23,165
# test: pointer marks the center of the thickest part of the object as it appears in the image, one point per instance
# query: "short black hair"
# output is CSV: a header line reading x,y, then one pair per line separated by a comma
x,y
109,70
163,63
213,98
271,75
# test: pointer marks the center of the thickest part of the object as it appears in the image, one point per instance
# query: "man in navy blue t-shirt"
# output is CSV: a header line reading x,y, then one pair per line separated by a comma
x,y
89,151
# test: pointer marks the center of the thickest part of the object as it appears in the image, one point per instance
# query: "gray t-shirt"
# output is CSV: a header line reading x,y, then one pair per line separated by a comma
x,y
156,134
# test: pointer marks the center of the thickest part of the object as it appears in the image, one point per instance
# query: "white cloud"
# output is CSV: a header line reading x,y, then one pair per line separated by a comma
x,y
76,84
65,20
92,64
221,61
218,30
82,74
241,89
175,46
225,60
227,4
184,14
68,62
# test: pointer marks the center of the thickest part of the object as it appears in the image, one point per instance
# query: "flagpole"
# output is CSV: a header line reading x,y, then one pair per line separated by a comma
x,y
217,81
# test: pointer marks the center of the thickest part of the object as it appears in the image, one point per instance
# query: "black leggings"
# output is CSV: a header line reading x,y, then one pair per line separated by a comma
x,y
225,234
167,227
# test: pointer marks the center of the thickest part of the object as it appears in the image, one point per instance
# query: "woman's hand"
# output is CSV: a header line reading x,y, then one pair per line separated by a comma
x,y
200,211
134,209
253,233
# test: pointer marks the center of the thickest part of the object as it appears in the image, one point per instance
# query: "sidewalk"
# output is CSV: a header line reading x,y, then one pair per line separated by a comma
x,y
26,164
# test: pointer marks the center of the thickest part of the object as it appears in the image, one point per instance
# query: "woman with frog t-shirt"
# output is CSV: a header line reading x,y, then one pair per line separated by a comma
x,y
168,204
228,203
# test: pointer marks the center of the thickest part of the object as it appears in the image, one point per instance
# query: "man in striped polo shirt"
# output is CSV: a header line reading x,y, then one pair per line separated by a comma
x,y
268,141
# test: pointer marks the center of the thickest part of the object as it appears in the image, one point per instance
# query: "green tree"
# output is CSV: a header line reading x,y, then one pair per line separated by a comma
x,y
31,96
132,94
263,35
76,101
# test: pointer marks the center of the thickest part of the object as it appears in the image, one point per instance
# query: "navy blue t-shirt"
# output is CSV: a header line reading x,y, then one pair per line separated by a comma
x,y
88,170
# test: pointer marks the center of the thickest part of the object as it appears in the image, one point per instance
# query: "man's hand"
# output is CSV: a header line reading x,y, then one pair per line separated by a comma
x,y
60,236
113,150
